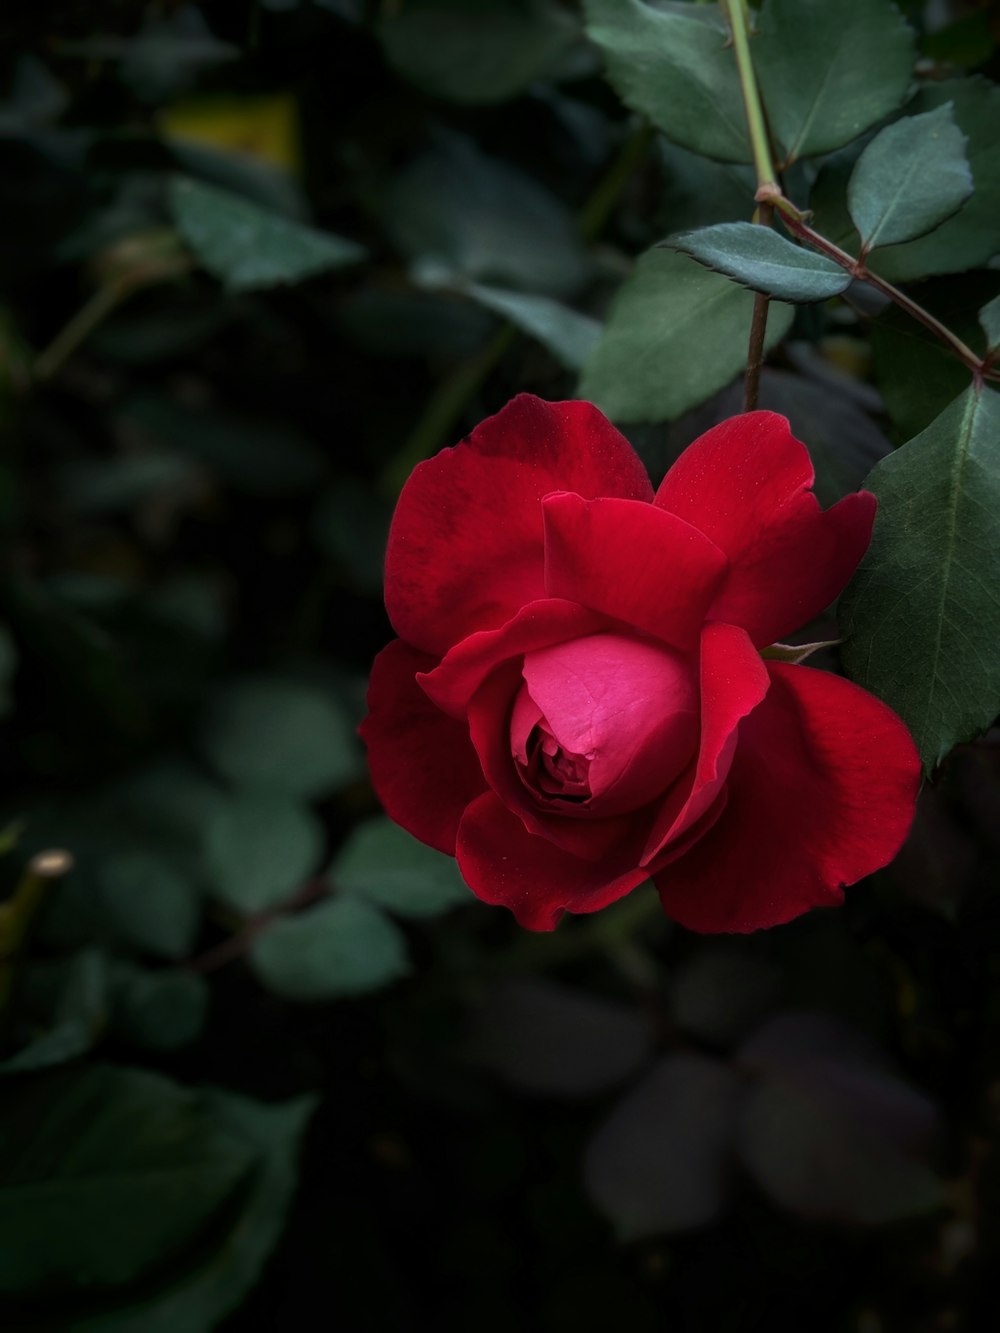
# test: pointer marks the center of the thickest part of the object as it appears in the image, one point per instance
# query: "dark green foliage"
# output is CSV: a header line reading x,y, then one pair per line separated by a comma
x,y
476,50
118,1171
910,178
671,312
920,615
456,211
387,866
283,735
669,61
964,241
989,319
341,947
829,72
260,259
759,258
245,246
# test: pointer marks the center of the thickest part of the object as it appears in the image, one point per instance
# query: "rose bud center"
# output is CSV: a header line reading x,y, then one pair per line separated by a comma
x,y
603,724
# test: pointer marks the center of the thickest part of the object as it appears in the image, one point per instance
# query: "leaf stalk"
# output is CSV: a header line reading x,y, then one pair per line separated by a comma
x,y
736,13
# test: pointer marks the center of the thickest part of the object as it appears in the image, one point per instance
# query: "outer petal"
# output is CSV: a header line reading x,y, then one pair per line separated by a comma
x,y
821,793
503,863
734,680
537,625
745,484
465,546
633,561
423,765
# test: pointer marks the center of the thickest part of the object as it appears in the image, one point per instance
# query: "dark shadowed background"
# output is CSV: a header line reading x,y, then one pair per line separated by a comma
x,y
267,1064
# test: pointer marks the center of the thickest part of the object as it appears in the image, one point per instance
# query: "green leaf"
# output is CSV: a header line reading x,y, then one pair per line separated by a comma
x,y
192,603
989,319
95,486
69,1001
207,1290
567,334
149,903
479,52
676,333
157,1010
921,618
342,946
247,247
829,72
912,176
107,1175
972,237
88,687
166,53
660,1160
281,735
698,192
761,259
386,865
673,63
140,861
261,847
457,212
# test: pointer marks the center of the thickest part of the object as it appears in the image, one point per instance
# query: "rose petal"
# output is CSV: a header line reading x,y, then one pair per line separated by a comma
x,y
745,484
423,765
504,864
628,705
465,547
576,829
640,564
524,718
821,793
733,682
538,625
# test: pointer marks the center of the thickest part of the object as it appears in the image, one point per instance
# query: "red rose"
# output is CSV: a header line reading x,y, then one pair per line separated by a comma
x,y
577,700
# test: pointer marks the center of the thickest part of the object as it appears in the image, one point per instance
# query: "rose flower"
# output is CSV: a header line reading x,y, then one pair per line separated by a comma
x,y
577,701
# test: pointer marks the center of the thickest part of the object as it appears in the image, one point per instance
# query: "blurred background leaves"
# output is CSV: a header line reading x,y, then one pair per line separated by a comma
x,y
263,1055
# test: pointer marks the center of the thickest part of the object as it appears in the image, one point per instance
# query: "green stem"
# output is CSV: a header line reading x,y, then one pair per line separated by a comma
x,y
17,914
736,16
758,328
103,302
246,930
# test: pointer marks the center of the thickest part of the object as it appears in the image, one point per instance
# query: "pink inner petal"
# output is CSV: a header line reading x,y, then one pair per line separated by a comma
x,y
620,718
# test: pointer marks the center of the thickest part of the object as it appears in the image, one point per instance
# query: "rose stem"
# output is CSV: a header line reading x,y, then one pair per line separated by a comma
x,y
857,268
17,914
736,16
